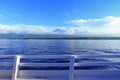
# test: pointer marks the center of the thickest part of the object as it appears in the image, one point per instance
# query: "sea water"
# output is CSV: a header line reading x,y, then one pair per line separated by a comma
x,y
59,47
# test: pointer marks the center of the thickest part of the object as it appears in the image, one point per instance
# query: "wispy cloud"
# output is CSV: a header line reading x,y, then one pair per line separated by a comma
x,y
106,25
8,14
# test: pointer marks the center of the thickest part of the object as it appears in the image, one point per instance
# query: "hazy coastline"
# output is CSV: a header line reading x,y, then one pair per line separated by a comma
x,y
55,36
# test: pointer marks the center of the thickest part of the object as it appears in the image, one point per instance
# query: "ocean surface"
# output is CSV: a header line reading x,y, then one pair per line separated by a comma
x,y
59,47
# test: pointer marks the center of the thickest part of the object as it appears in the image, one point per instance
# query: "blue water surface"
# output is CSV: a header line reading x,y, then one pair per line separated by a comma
x,y
59,47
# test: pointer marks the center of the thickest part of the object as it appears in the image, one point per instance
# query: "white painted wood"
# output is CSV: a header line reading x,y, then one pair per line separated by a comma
x,y
5,72
43,73
62,56
63,73
53,73
95,56
5,79
47,73
70,74
71,68
77,73
45,56
6,56
44,64
16,67
105,72
6,63
96,63
44,79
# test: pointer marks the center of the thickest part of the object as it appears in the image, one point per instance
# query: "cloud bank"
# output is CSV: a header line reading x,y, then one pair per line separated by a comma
x,y
105,25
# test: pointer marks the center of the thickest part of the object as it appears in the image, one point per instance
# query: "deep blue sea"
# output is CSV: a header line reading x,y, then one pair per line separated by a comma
x,y
59,47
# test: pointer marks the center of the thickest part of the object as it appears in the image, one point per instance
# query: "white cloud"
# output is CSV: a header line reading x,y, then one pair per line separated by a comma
x,y
36,29
21,28
4,28
106,25
79,21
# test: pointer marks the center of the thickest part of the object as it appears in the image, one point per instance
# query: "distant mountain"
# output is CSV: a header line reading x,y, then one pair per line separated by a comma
x,y
55,36
59,31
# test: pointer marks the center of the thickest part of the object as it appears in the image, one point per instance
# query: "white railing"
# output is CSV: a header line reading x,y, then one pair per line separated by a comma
x,y
70,74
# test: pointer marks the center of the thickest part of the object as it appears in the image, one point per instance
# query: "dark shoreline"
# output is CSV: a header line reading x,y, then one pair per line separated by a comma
x,y
58,36
82,38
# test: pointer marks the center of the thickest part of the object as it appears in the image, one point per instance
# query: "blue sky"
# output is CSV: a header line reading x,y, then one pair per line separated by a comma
x,y
60,16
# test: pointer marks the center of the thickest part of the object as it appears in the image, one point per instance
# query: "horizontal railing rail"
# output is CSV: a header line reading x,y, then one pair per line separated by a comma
x,y
62,56
95,56
6,64
70,62
96,63
44,64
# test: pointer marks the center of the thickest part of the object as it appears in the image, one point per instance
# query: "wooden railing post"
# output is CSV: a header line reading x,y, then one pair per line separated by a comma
x,y
71,68
15,67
